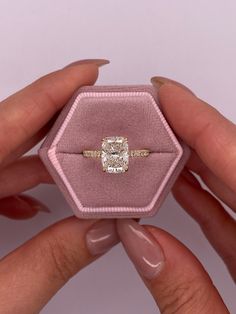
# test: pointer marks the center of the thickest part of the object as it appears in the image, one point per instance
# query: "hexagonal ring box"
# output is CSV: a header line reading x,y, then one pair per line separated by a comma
x,y
128,119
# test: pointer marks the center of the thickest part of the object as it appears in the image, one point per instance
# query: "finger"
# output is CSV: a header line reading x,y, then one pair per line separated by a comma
x,y
33,273
176,279
195,163
218,226
32,141
26,112
31,172
21,207
201,126
158,81
219,188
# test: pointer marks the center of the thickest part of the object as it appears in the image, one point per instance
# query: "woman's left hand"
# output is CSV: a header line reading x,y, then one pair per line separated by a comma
x,y
34,272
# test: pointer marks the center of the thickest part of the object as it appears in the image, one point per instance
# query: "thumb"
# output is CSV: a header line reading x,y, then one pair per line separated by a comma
x,y
34,272
174,276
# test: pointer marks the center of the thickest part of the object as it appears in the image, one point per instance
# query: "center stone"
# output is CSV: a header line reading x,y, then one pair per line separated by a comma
x,y
115,154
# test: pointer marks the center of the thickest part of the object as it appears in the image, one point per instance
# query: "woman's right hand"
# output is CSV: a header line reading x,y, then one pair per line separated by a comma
x,y
174,276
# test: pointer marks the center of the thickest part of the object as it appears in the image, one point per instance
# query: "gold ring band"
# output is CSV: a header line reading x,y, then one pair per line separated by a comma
x,y
132,153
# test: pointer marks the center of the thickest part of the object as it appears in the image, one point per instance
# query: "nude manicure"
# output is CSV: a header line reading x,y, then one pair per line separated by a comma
x,y
158,81
144,251
102,237
98,62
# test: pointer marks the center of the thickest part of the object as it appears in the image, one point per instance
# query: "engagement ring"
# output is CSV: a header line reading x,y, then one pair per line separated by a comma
x,y
115,154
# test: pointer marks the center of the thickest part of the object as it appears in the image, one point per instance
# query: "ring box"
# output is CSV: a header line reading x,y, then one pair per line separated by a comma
x,y
96,112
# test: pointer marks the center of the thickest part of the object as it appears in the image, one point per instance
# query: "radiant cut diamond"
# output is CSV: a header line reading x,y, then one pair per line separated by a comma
x,y
115,154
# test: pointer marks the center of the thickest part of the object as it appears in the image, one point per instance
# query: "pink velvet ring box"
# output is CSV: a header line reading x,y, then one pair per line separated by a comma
x,y
96,112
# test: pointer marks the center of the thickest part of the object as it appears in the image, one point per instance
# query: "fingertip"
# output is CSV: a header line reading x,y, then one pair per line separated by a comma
x,y
21,207
15,207
34,203
97,62
121,223
102,236
145,253
171,95
159,81
89,72
123,226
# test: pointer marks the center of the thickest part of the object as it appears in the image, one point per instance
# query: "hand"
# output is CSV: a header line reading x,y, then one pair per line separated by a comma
x,y
174,276
33,273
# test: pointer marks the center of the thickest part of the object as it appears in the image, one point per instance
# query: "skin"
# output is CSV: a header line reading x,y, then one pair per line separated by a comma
x,y
34,272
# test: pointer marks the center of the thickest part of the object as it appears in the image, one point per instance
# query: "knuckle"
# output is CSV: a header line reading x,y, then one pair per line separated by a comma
x,y
63,262
51,100
184,296
42,87
40,81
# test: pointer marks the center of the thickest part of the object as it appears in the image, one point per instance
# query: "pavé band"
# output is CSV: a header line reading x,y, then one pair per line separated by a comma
x,y
132,153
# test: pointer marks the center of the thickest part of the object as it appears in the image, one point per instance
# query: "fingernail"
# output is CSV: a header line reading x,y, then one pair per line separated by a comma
x,y
34,205
102,236
41,208
158,81
190,178
98,62
141,247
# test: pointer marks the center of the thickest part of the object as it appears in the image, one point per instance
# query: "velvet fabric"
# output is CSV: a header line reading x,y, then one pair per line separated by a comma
x,y
95,112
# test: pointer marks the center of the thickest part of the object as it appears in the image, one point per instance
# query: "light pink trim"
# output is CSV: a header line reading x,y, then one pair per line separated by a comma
x,y
53,158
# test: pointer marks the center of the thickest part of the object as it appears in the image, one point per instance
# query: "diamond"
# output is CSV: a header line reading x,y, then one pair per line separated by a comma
x,y
115,154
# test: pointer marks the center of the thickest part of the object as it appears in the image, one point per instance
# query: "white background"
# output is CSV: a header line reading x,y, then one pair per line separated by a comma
x,y
191,41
